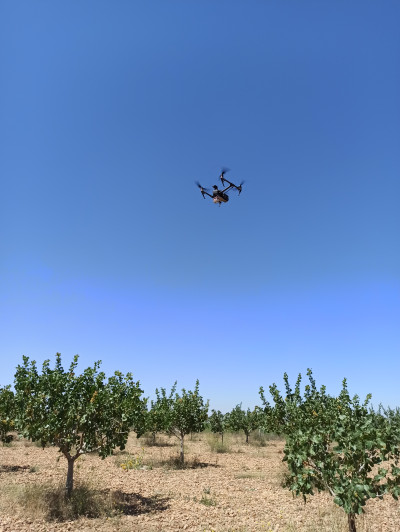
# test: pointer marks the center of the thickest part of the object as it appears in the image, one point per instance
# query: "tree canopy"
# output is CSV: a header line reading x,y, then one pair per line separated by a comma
x,y
78,413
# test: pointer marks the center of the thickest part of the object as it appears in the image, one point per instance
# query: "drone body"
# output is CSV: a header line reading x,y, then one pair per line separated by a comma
x,y
220,196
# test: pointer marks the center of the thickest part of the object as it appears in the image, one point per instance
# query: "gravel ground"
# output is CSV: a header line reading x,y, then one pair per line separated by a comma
x,y
236,491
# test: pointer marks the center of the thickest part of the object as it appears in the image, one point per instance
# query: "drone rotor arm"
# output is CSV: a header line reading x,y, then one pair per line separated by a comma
x,y
232,185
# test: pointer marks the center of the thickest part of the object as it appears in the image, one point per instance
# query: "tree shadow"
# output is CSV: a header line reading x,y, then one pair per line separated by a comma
x,y
12,468
195,464
136,504
174,462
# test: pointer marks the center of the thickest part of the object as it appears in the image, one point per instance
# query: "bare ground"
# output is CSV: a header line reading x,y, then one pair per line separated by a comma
x,y
237,491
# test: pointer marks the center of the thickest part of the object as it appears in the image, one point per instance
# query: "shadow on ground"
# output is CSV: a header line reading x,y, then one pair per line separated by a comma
x,y
135,504
13,468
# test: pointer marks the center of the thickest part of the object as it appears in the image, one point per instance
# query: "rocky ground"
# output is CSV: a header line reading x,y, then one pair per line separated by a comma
x,y
238,491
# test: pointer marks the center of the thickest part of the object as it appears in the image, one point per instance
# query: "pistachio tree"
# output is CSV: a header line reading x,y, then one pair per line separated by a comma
x,y
246,420
184,413
338,445
157,417
217,422
78,413
7,414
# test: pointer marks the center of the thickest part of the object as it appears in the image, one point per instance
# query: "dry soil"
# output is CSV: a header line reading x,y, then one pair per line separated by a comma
x,y
240,490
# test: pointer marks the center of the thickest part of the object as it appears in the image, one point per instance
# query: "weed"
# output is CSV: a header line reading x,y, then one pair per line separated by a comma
x,y
132,461
206,498
31,497
217,446
258,438
84,501
207,501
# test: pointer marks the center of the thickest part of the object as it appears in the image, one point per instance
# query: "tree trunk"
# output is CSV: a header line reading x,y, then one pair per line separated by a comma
x,y
70,477
351,519
182,456
154,438
222,437
247,437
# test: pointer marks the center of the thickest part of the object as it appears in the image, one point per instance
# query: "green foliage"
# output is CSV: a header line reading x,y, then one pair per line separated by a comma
x,y
334,444
7,414
157,417
183,413
217,423
77,413
247,421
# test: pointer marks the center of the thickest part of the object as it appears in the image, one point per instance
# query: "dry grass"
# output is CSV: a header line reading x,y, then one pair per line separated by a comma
x,y
160,440
334,520
49,502
216,445
250,474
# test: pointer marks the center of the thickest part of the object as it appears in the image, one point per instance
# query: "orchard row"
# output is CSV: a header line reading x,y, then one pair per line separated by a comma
x,y
336,444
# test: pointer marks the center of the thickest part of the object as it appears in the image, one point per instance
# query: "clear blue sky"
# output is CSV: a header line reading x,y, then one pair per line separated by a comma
x,y
109,113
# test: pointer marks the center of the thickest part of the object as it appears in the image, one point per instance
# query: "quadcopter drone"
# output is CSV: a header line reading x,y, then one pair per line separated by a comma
x,y
220,196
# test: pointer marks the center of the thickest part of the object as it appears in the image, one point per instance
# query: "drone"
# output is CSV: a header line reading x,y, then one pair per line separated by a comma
x,y
220,196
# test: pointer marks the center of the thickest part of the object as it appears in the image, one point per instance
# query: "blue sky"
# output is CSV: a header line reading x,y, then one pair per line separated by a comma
x,y
109,113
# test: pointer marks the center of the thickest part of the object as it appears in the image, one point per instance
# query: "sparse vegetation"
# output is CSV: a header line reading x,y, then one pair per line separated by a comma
x,y
51,503
259,438
207,499
217,446
131,461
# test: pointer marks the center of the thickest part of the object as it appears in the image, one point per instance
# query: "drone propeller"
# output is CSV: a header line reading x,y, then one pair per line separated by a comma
x,y
202,189
223,172
239,188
